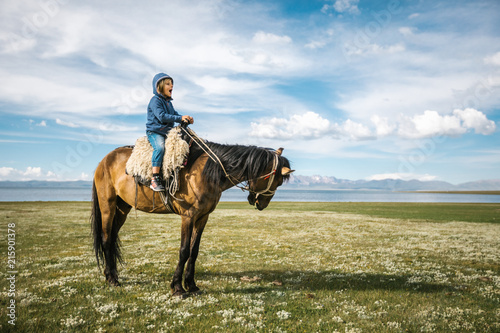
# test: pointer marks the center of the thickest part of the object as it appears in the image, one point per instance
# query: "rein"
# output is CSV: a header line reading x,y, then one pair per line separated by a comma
x,y
201,143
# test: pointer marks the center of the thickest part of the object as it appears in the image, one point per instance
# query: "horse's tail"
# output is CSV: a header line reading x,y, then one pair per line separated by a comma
x,y
113,251
96,225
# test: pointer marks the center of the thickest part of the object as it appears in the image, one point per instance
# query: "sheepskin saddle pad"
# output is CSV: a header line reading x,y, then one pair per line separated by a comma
x,y
176,151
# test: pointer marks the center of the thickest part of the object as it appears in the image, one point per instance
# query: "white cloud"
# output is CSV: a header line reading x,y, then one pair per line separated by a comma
x,y
36,173
493,59
428,70
476,120
382,126
373,49
315,44
33,172
225,86
262,37
406,93
66,123
311,125
353,130
84,176
322,40
406,31
13,43
342,6
346,6
307,125
55,91
431,123
5,171
208,40
30,173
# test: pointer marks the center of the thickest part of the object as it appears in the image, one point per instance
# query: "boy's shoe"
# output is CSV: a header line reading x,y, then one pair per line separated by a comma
x,y
156,184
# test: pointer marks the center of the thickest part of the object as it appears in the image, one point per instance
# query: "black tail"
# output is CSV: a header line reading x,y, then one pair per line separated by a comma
x,y
113,252
96,225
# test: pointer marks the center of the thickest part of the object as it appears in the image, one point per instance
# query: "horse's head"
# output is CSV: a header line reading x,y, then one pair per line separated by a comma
x,y
262,188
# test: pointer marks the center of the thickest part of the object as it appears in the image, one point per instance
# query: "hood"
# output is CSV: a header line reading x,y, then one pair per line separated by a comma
x,y
157,78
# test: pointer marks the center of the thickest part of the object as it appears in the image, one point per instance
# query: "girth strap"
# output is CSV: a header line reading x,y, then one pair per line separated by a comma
x,y
166,199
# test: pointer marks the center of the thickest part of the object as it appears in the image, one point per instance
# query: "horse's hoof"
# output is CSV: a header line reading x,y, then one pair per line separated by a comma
x,y
180,294
114,283
196,292
192,287
112,279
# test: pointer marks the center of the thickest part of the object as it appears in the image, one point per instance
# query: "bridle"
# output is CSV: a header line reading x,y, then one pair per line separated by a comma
x,y
267,191
271,175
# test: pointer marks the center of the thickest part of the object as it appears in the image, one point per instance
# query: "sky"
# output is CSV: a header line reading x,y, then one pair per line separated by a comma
x,y
354,89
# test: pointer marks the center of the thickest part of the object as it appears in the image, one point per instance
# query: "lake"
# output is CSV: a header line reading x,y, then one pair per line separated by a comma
x,y
84,194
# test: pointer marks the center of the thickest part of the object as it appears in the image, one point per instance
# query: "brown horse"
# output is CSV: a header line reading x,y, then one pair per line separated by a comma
x,y
206,175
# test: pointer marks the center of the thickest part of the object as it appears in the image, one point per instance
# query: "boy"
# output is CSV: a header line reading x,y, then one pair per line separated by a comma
x,y
161,118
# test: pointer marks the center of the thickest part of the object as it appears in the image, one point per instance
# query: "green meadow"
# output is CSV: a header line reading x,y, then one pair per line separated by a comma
x,y
294,267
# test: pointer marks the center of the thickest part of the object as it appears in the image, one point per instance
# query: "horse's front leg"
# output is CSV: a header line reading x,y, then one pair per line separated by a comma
x,y
184,251
195,247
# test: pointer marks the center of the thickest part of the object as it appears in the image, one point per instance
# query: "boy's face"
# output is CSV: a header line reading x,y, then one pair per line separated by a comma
x,y
167,88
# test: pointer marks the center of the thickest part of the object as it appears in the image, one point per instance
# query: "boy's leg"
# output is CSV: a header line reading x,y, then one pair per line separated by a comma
x,y
158,143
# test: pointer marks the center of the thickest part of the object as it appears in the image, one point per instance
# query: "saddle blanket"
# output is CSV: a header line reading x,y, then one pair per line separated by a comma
x,y
176,152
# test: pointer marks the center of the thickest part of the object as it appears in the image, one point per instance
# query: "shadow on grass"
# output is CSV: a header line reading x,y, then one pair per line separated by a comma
x,y
322,281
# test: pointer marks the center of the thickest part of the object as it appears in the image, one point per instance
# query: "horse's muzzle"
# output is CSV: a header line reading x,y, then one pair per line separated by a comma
x,y
253,201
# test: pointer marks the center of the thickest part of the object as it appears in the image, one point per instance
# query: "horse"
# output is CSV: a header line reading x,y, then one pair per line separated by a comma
x,y
211,168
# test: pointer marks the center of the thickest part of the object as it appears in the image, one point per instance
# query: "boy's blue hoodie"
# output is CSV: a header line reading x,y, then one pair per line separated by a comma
x,y
161,112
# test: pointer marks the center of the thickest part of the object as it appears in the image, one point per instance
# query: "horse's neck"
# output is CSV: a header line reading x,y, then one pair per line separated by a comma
x,y
231,181
228,183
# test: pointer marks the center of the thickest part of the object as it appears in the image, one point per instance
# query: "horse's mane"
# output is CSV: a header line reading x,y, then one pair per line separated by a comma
x,y
240,161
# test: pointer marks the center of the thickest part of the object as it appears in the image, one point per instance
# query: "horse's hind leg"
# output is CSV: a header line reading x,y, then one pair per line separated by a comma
x,y
184,251
109,240
114,214
195,246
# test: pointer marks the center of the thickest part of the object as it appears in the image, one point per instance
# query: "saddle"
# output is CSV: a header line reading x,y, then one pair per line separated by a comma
x,y
140,167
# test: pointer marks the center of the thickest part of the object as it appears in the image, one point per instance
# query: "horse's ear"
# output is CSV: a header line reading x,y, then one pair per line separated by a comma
x,y
286,171
279,151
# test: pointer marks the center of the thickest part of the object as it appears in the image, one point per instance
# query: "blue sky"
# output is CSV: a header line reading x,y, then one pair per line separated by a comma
x,y
353,89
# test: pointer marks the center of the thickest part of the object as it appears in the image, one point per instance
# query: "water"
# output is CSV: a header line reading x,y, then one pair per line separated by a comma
x,y
45,194
365,196
84,194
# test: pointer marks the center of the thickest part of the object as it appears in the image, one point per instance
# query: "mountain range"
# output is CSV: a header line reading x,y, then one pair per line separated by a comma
x,y
324,182
313,183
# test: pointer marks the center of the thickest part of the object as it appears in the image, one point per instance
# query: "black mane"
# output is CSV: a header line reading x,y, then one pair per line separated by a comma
x,y
240,161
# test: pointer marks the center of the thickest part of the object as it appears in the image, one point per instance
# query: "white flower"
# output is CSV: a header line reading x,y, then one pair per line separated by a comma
x,y
72,321
282,315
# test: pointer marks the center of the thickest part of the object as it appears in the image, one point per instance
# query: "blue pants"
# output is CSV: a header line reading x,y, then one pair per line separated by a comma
x,y
158,142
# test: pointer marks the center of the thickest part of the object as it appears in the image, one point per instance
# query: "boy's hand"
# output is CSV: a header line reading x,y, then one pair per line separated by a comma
x,y
188,119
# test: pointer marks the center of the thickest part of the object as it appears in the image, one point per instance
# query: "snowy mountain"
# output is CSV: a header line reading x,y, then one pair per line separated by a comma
x,y
324,182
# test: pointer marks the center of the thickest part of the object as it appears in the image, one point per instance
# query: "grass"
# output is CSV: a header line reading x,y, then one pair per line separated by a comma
x,y
295,267
438,212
